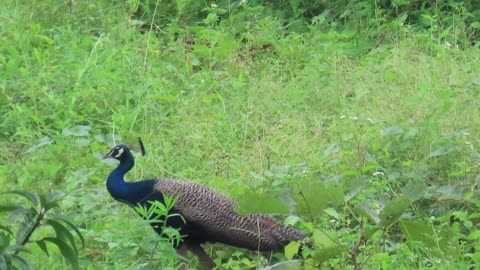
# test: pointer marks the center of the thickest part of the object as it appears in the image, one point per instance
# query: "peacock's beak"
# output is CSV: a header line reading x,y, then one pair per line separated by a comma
x,y
109,155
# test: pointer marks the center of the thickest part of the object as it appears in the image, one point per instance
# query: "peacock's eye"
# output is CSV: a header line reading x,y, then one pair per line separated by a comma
x,y
118,152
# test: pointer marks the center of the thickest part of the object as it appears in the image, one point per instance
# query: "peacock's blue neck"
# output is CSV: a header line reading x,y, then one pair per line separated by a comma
x,y
131,193
116,185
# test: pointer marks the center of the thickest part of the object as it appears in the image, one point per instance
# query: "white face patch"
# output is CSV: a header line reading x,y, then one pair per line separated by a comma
x,y
119,154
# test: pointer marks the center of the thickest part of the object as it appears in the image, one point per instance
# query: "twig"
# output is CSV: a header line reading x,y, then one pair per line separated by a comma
x,y
380,40
309,209
356,247
39,219
149,35
378,43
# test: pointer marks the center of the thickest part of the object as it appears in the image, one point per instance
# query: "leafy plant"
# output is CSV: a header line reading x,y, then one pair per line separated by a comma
x,y
29,219
157,213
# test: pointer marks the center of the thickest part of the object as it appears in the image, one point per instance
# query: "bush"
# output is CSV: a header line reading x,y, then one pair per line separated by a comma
x,y
30,220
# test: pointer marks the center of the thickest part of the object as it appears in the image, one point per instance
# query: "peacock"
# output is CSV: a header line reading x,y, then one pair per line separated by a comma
x,y
207,215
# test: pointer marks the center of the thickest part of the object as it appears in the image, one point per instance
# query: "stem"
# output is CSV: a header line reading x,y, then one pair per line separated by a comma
x,y
39,218
309,209
356,247
149,35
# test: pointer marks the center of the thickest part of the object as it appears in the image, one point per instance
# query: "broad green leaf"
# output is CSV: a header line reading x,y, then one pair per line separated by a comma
x,y
356,186
27,195
42,142
333,213
25,213
18,248
286,265
22,232
368,210
438,240
81,142
42,246
393,130
55,196
313,197
78,177
62,233
5,228
474,216
80,130
351,173
51,169
9,207
279,171
449,192
292,249
474,235
333,148
4,241
67,252
443,150
370,231
369,168
266,202
393,210
72,226
43,201
414,190
50,201
326,245
3,262
291,220
19,261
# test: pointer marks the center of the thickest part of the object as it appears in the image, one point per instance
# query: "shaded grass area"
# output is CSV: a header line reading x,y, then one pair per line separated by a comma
x,y
78,79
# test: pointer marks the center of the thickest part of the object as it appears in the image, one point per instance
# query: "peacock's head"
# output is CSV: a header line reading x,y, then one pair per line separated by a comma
x,y
118,152
122,151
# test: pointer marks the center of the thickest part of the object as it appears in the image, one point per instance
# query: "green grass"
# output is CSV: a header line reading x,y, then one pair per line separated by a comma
x,y
305,113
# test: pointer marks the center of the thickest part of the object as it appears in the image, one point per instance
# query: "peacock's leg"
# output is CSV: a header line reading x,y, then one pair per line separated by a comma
x,y
205,261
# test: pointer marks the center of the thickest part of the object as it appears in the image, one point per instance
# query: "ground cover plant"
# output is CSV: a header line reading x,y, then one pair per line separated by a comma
x,y
355,121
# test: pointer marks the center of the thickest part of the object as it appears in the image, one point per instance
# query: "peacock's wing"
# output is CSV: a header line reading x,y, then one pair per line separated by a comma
x,y
211,217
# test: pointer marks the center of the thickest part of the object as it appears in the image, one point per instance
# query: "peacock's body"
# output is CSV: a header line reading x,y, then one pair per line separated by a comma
x,y
209,216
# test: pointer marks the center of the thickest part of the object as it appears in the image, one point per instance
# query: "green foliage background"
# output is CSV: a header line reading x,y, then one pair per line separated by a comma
x,y
360,116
